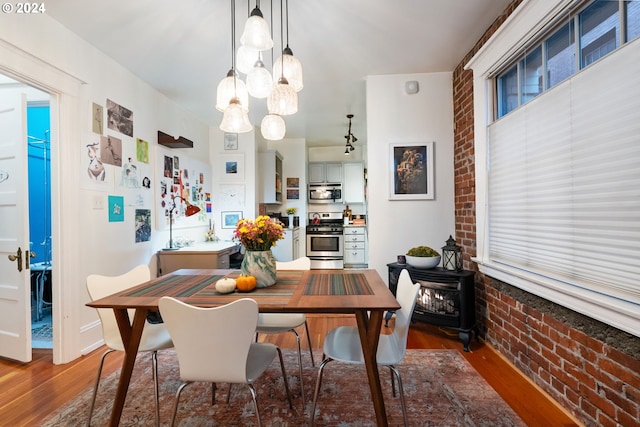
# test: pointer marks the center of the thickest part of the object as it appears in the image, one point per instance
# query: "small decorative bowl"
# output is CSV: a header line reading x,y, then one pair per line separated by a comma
x,y
423,261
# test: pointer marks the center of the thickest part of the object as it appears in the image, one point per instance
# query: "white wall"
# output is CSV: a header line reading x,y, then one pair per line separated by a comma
x,y
395,117
46,54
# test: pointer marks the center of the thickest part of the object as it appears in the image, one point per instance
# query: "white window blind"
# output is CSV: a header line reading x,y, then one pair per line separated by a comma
x,y
564,181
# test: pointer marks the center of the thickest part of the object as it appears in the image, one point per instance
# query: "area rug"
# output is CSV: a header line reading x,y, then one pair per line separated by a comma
x,y
42,332
441,389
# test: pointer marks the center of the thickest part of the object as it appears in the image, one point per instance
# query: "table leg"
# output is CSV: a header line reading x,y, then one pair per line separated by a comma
x,y
131,335
369,329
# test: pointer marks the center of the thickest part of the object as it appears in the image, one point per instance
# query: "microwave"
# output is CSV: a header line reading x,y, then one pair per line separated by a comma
x,y
325,193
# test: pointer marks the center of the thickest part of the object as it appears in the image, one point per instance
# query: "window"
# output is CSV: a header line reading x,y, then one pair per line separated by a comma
x,y
599,30
632,15
560,50
557,179
508,91
531,83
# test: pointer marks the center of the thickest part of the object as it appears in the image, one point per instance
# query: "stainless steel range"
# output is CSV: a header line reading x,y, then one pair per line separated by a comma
x,y
325,241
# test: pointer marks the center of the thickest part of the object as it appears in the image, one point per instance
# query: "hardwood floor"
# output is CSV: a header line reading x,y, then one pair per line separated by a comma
x,y
28,393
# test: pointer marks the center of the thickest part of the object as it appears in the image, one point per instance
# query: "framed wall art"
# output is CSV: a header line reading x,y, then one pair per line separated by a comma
x,y
411,171
231,218
230,141
231,167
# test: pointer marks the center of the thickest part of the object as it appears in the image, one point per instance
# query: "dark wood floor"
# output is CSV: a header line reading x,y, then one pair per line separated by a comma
x,y
28,393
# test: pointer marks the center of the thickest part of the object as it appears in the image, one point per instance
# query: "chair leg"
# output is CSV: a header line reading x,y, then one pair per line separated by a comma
x,y
175,405
393,381
306,327
299,365
404,407
95,389
255,403
284,376
156,388
312,415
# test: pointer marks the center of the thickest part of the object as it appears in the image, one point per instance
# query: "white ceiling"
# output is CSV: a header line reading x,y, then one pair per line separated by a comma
x,y
183,48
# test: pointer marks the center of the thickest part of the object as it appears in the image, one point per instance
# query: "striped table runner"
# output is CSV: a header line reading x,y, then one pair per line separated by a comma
x,y
337,284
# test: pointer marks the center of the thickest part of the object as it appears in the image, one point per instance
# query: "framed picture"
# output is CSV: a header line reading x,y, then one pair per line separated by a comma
x,y
411,171
293,182
230,141
293,193
231,168
231,218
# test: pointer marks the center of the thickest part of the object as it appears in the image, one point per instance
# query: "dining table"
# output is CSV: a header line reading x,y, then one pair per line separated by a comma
x,y
360,292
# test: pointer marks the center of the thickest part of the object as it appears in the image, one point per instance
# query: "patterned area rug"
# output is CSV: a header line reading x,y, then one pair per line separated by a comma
x,y
41,332
441,389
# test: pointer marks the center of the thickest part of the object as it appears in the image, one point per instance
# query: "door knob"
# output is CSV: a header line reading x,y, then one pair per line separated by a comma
x,y
18,257
29,255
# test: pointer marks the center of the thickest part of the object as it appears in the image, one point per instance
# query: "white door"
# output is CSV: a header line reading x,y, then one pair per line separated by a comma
x,y
15,286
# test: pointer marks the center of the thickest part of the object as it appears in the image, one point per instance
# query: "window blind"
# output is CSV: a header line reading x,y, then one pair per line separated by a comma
x,y
564,180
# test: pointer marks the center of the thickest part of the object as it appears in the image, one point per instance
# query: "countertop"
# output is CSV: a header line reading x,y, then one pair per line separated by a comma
x,y
207,247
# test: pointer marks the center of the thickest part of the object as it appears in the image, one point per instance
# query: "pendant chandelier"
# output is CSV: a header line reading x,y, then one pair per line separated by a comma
x,y
256,31
350,138
273,127
283,99
235,119
290,65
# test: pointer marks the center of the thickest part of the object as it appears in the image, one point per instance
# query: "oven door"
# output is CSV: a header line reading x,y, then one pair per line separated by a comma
x,y
328,246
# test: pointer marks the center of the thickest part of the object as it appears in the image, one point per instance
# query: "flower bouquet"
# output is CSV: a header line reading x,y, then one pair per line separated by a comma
x,y
259,234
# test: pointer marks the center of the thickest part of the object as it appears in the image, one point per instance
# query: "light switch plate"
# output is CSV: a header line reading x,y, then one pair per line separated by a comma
x,y
98,202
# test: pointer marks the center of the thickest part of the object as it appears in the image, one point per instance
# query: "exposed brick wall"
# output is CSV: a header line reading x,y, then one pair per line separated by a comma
x,y
587,367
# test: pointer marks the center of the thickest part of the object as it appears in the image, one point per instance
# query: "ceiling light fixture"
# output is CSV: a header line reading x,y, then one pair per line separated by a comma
x,y
292,68
273,127
256,31
235,119
350,138
283,99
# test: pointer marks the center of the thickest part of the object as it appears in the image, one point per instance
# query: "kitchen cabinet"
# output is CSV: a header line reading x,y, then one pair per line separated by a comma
x,y
288,248
320,172
353,183
271,177
204,255
355,247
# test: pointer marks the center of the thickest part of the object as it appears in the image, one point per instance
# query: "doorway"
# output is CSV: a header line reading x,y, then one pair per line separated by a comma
x,y
38,162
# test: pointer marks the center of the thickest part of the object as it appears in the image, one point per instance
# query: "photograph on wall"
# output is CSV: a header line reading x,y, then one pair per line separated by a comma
x,y
230,219
143,225
293,194
411,171
293,182
111,150
230,141
142,150
97,119
116,208
232,167
168,166
119,118
94,174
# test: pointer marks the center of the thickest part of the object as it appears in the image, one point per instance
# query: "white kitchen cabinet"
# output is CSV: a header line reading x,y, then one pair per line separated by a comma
x,y
271,177
355,247
288,248
353,184
320,172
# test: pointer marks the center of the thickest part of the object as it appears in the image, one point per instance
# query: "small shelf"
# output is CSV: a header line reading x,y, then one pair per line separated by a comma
x,y
171,142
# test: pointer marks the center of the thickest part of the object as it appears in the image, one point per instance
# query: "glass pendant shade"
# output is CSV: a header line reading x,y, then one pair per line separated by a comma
x,y
235,119
246,58
256,32
231,87
273,127
259,82
292,69
283,99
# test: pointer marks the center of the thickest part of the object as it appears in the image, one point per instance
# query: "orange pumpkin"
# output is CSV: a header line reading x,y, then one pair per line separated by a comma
x,y
245,283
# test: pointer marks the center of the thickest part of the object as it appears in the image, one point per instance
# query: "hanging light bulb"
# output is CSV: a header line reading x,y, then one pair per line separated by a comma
x,y
259,80
235,119
290,65
256,31
230,87
273,127
283,99
246,58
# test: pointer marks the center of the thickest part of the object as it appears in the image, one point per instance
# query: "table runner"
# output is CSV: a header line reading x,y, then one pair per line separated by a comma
x,y
337,284
190,285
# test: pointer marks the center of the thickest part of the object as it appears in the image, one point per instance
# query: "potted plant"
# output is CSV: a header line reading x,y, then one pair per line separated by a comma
x,y
291,212
423,257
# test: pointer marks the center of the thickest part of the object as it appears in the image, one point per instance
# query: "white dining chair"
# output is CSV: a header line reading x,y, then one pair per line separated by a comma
x,y
154,336
276,323
343,343
228,355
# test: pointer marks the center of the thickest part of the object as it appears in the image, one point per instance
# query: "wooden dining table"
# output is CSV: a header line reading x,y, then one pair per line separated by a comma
x,y
359,292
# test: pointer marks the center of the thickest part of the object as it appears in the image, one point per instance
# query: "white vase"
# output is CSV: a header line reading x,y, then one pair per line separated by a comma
x,y
291,221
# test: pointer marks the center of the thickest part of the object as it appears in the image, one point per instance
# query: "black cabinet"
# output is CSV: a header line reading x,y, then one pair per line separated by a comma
x,y
446,298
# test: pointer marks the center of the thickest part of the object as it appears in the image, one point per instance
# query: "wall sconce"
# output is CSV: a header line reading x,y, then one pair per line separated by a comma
x,y
452,255
190,211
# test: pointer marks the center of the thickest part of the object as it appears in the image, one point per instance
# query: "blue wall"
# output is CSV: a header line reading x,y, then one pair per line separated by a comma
x,y
39,182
